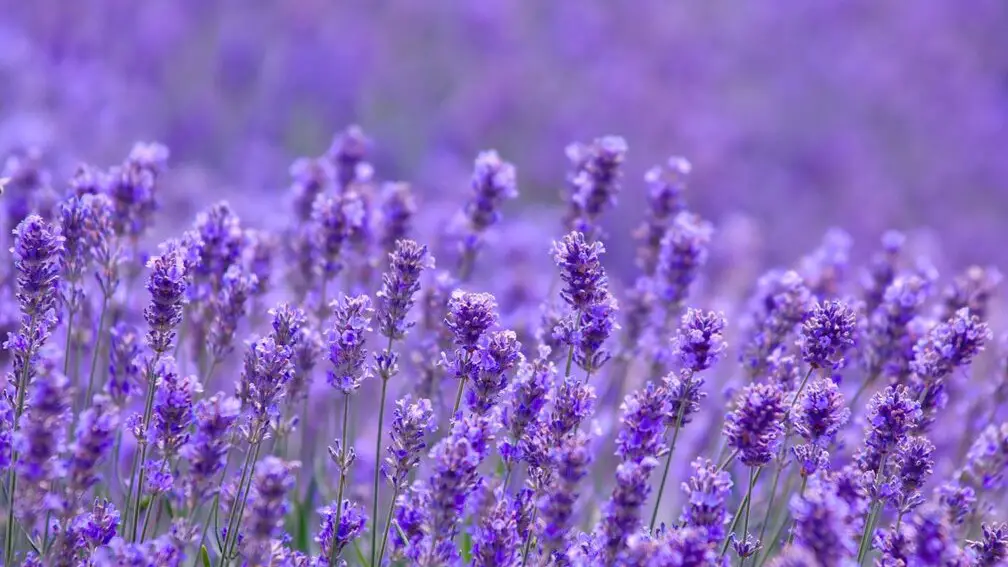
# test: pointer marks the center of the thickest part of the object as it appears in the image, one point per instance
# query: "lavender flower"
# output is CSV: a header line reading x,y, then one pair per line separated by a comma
x,y
892,414
229,307
497,540
498,353
621,513
94,436
881,269
707,495
347,352
347,153
528,396
810,458
779,306
132,187
469,316
334,219
755,426
957,501
100,524
222,241
683,253
266,372
821,412
827,334
36,251
699,341
173,407
493,183
821,526
411,421
585,280
206,451
665,187
594,181
573,402
268,505
74,216
684,396
949,345
351,524
825,269
971,290
888,338
40,440
571,459
396,211
106,252
914,463
642,433
124,367
992,550
596,324
167,286
987,459
399,287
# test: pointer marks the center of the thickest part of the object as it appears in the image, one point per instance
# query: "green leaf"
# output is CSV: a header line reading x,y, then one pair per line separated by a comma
x,y
466,547
204,556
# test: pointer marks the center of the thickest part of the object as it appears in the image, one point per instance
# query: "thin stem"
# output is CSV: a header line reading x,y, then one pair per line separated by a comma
x,y
804,483
528,537
148,410
342,479
742,507
458,395
377,467
12,475
97,349
870,520
773,495
728,461
668,463
238,507
69,339
388,524
748,506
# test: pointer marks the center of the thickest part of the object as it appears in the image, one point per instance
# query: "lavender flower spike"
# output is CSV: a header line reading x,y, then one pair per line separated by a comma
x,y
333,539
556,507
683,253
821,525
167,286
267,506
594,181
347,352
707,495
827,334
755,426
411,421
699,341
585,280
399,286
949,345
497,540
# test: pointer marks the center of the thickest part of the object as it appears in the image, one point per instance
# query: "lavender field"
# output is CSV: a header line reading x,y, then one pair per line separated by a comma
x,y
577,284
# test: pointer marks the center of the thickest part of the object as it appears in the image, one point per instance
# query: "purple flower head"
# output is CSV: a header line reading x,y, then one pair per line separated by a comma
x,y
699,341
882,268
307,351
37,248
644,415
309,178
167,286
932,540
992,549
288,324
351,525
821,524
95,433
267,503
99,526
665,188
597,323
745,546
469,316
399,287
914,463
571,459
810,458
755,426
573,402
957,501
347,345
594,180
778,307
395,213
207,449
527,398
220,232
684,397
707,494
580,264
949,345
347,153
621,513
40,440
892,415
821,412
825,269
827,334
411,421
173,406
334,220
132,187
888,338
258,259
499,352
265,374
229,305
987,459
75,223
105,250
497,540
971,290
683,253
493,183
124,363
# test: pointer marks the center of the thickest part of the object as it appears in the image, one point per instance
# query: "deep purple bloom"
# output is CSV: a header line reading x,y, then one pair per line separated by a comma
x,y
810,458
74,217
746,545
124,363
888,340
931,539
755,426
395,213
347,345
571,459
222,241
493,183
334,220
892,415
971,290
596,324
665,188
992,549
288,323
351,524
469,316
957,501
411,421
207,449
821,524
949,345
498,353
821,412
496,541
621,513
914,463
527,398
167,286
683,253
642,434
229,306
267,505
173,407
594,180
707,495
94,436
573,402
778,307
399,287
581,270
881,269
36,251
827,334
265,374
699,341
684,396
100,524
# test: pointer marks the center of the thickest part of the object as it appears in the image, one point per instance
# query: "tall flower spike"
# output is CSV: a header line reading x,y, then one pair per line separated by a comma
x,y
665,188
74,219
571,459
266,372
498,353
821,412
399,287
106,252
594,181
167,286
132,187
222,241
755,426
36,251
778,308
207,449
124,366
821,525
411,421
395,213
683,253
642,433
699,341
914,464
347,352
173,407
527,398
949,345
230,306
268,505
334,219
881,270
621,513
827,334
40,440
707,495
596,324
493,183
888,348
352,520
585,280
892,415
94,436
497,540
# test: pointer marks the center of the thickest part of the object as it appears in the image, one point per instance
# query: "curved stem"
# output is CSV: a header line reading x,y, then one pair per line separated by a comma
x,y
148,410
742,507
388,525
377,469
668,464
342,480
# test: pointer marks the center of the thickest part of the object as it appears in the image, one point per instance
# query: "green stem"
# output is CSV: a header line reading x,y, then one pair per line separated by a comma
x,y
728,461
668,463
97,350
12,475
865,543
148,410
773,495
388,524
241,496
342,479
458,396
528,538
377,469
743,506
69,339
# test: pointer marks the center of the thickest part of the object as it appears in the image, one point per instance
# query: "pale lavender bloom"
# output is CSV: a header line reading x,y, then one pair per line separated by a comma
x,y
571,459
173,407
684,252
527,398
265,374
399,287
207,449
411,421
124,362
825,269
707,495
40,441
778,308
888,345
992,549
987,459
665,188
396,213
821,524
347,344
94,436
882,269
755,425
973,290
267,505
594,181
621,513
820,412
497,541
699,341
892,415
644,414
949,345
229,305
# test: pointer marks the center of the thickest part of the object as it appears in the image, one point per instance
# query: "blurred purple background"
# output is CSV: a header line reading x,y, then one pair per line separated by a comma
x,y
797,115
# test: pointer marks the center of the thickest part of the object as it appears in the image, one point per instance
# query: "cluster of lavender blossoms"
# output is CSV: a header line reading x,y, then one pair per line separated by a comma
x,y
323,395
